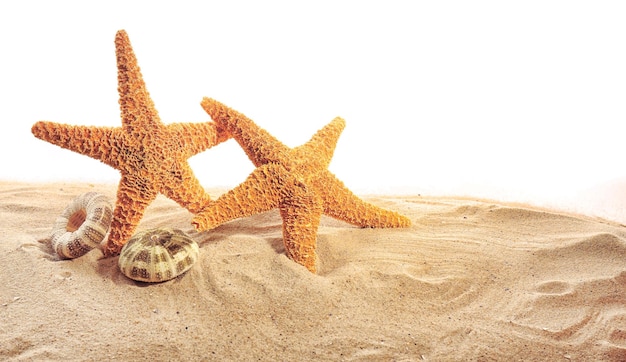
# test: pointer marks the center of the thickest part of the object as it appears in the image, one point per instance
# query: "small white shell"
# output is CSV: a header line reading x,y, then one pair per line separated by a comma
x,y
82,226
157,255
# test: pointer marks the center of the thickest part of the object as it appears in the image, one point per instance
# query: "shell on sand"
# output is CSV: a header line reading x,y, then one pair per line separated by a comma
x,y
82,226
157,255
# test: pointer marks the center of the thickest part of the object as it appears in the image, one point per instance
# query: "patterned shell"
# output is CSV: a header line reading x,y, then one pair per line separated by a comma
x,y
82,226
157,255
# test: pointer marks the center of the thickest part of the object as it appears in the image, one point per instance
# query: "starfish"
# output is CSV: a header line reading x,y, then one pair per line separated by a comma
x,y
294,180
151,157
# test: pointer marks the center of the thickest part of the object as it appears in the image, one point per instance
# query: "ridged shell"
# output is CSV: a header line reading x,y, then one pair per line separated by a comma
x,y
82,226
157,255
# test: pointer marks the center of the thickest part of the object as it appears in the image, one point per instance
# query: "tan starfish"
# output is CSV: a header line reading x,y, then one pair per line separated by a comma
x,y
296,181
151,157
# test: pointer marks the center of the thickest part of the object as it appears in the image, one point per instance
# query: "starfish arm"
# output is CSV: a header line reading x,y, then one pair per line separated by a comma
x,y
319,150
95,142
260,146
133,197
197,137
260,192
185,189
301,211
342,204
136,107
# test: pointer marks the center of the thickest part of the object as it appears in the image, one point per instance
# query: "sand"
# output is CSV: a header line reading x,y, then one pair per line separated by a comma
x,y
470,280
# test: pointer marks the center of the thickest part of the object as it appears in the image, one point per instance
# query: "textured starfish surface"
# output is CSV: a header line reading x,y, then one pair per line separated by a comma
x,y
294,180
151,157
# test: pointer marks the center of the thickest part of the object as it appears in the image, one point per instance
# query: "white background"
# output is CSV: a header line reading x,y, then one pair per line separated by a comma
x,y
519,101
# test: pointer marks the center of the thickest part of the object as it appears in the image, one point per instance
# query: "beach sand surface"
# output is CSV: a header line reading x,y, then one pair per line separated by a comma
x,y
469,280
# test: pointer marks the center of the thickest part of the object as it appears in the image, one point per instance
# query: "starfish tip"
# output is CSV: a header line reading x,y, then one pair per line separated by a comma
x,y
340,122
210,105
38,129
121,34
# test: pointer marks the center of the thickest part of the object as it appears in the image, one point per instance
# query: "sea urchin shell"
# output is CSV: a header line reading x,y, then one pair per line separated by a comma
x,y
82,226
157,255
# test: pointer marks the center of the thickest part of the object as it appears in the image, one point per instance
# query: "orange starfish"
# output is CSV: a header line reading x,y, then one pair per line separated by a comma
x,y
151,157
296,181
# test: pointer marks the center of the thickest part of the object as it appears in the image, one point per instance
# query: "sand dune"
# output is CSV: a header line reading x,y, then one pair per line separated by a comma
x,y
470,280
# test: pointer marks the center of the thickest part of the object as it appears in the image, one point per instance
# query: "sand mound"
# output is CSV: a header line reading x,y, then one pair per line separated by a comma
x,y
470,280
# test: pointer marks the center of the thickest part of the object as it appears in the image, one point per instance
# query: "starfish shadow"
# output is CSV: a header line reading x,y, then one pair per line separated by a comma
x,y
266,226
